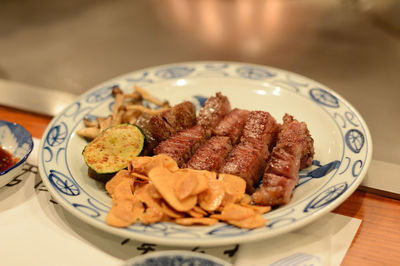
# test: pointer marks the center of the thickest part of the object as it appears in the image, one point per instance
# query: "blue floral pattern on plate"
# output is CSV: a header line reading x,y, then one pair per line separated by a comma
x,y
176,258
343,152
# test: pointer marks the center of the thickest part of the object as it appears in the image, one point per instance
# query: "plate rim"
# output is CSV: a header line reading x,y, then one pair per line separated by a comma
x,y
175,252
230,239
22,160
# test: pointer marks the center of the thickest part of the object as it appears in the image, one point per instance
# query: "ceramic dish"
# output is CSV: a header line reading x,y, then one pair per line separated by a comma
x,y
343,146
16,140
176,257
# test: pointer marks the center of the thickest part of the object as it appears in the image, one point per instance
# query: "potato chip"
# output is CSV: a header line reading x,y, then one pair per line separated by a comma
x,y
164,181
251,222
241,216
217,216
116,221
123,191
140,176
154,189
153,192
203,178
195,214
152,215
212,198
236,212
121,176
153,212
234,187
185,185
145,196
246,199
171,212
199,221
258,208
199,210
122,212
137,209
143,164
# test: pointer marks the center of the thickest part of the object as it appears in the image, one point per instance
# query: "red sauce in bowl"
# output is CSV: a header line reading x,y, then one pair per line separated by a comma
x,y
7,160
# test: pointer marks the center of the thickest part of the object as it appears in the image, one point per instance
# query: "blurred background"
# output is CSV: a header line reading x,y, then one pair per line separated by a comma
x,y
352,46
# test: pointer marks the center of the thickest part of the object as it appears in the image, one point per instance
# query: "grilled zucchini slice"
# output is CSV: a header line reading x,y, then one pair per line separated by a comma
x,y
114,148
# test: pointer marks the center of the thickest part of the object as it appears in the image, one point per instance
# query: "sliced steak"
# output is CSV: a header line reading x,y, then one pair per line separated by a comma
x,y
284,160
262,126
211,154
293,151
297,132
275,190
247,160
232,124
165,124
212,112
143,122
182,145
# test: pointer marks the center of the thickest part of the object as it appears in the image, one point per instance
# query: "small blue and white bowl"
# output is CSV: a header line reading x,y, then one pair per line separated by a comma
x,y
176,258
16,140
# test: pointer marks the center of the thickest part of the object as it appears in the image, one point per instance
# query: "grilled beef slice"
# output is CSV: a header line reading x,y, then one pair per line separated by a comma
x,y
248,159
212,112
211,154
232,124
262,126
182,145
276,190
294,150
143,122
166,124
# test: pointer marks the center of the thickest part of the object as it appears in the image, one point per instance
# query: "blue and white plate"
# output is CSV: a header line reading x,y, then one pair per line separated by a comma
x,y
15,139
343,146
176,257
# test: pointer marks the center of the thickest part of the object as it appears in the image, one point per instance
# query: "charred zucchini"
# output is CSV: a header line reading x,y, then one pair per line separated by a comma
x,y
114,148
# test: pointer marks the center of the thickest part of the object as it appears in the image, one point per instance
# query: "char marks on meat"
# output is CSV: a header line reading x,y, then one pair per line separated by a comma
x,y
167,123
248,159
211,154
297,132
232,124
262,126
183,144
294,150
212,112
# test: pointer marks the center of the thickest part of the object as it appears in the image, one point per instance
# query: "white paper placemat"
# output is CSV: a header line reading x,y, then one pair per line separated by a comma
x,y
36,230
383,178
